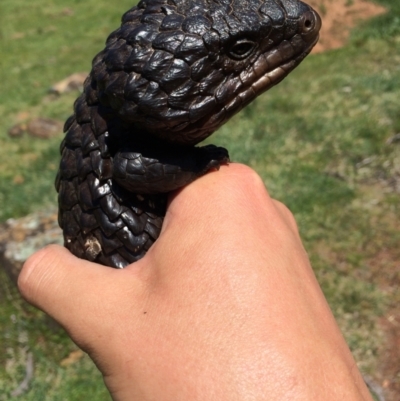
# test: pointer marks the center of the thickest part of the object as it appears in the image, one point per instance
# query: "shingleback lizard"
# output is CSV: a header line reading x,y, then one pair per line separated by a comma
x,y
174,72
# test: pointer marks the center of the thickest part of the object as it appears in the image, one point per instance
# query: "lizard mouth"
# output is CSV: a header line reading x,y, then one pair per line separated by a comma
x,y
267,80
279,62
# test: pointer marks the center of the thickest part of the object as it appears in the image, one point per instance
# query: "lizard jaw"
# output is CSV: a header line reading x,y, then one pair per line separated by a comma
x,y
265,82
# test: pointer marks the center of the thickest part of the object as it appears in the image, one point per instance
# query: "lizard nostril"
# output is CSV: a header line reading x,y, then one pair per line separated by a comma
x,y
310,23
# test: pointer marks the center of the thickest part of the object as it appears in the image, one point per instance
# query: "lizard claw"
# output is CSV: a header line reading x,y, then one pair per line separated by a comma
x,y
215,157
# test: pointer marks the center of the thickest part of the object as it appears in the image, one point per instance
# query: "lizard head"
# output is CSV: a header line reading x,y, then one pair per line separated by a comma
x,y
179,69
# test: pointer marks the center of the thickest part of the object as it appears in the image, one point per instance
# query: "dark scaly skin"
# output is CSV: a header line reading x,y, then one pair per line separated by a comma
x,y
174,72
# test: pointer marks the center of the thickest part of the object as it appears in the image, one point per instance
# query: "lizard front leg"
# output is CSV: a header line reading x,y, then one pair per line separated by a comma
x,y
115,221
171,170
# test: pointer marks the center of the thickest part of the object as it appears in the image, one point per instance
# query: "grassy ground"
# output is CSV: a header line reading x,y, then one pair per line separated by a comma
x,y
319,140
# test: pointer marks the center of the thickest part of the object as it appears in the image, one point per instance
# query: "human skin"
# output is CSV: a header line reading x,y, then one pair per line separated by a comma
x,y
224,306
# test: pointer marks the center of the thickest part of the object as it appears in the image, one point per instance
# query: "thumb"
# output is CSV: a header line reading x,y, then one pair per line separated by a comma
x,y
75,292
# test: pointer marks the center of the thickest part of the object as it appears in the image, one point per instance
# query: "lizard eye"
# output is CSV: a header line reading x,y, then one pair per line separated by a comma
x,y
241,49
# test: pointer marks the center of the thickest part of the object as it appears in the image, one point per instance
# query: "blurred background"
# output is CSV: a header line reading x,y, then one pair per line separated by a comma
x,y
326,142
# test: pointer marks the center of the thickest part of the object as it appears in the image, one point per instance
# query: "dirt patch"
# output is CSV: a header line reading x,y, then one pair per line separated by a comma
x,y
338,17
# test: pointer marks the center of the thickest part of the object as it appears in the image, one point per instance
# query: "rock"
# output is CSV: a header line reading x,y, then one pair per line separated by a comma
x,y
17,130
20,238
394,139
44,128
73,82
40,127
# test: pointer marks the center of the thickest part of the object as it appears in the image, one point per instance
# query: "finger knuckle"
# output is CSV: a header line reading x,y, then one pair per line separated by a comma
x,y
246,179
287,215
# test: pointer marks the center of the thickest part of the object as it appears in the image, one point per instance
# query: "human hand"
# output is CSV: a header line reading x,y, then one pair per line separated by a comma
x,y
224,306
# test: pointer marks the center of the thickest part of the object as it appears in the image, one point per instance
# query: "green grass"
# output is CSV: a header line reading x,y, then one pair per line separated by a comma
x,y
41,43
309,138
23,329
